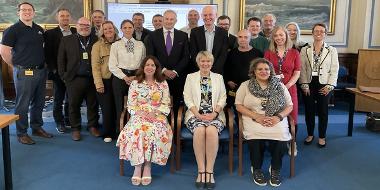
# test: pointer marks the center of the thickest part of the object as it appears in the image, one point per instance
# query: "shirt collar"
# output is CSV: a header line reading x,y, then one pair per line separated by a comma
x,y
213,29
126,40
165,30
63,30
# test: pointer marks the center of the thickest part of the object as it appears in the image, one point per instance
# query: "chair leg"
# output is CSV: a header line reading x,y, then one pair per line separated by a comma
x,y
171,157
121,167
230,156
240,152
178,154
292,158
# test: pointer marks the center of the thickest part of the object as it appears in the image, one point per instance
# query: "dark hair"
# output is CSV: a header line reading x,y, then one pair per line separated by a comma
x,y
125,21
138,14
253,19
97,11
24,3
140,75
319,24
157,15
255,62
62,9
223,17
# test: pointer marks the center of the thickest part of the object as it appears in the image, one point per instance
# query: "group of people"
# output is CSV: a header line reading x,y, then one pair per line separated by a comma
x,y
204,67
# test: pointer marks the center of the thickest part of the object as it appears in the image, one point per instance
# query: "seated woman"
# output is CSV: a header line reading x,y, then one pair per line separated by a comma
x,y
147,137
205,96
264,103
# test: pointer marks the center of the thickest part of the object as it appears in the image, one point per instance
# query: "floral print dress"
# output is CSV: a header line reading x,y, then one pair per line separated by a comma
x,y
147,138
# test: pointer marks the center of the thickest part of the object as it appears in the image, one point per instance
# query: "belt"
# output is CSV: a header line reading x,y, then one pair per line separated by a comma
x,y
29,67
129,72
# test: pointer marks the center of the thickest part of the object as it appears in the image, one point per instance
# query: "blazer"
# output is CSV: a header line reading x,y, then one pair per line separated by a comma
x,y
145,33
179,55
232,42
328,69
52,41
219,50
192,93
69,56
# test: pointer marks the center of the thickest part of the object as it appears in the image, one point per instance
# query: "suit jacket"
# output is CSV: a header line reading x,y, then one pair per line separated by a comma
x,y
192,93
52,41
232,42
219,50
69,56
328,69
145,33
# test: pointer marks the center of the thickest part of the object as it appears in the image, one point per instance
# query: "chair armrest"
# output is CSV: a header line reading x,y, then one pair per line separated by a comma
x,y
292,126
230,121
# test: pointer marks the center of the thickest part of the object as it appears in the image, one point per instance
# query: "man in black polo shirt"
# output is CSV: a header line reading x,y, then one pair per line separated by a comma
x,y
74,67
22,47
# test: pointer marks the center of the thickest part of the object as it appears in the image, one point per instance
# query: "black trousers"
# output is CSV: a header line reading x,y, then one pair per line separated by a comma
x,y
79,89
120,89
107,104
60,98
257,148
316,103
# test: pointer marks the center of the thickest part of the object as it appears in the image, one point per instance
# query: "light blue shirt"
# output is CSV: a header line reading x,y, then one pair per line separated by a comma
x,y
209,38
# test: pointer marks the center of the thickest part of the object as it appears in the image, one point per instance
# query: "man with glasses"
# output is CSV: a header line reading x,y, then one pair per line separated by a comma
x,y
52,40
225,22
22,48
74,67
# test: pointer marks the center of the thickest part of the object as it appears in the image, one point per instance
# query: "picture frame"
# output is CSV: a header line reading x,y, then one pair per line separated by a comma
x,y
304,12
45,11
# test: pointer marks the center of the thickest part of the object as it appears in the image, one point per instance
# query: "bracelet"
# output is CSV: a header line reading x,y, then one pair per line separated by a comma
x,y
279,116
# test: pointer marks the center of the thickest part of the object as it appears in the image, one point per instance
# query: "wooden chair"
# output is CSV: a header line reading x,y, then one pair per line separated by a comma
x,y
124,119
183,134
292,146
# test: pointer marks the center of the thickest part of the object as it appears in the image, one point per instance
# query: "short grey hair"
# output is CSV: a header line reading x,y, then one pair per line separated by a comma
x,y
204,54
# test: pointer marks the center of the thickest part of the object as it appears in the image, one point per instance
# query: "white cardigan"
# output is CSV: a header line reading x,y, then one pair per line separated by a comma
x,y
192,93
328,69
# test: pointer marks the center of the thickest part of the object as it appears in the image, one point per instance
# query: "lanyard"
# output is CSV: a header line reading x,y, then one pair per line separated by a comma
x,y
82,45
280,61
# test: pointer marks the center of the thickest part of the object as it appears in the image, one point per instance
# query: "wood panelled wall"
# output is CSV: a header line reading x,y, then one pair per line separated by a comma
x,y
349,60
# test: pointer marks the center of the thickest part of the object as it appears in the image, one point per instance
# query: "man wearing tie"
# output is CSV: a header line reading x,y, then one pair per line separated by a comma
x,y
170,46
209,38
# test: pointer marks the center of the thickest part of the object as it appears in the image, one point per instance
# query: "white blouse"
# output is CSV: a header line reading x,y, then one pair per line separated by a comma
x,y
253,129
121,59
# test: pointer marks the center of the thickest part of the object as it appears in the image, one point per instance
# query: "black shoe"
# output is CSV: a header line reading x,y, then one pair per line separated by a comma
x,y
200,184
322,145
275,177
305,142
61,128
258,177
208,184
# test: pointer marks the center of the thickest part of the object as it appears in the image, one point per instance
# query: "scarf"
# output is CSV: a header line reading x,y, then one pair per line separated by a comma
x,y
274,95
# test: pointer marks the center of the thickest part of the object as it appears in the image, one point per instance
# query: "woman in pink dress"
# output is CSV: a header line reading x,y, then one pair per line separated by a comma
x,y
287,64
147,137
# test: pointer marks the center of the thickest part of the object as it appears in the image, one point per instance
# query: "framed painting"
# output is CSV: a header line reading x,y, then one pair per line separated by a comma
x,y
304,12
45,11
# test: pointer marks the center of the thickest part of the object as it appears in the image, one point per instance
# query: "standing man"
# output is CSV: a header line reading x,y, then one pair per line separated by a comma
x,y
257,41
97,19
74,67
140,32
171,48
157,21
22,48
269,21
225,23
192,18
209,38
52,40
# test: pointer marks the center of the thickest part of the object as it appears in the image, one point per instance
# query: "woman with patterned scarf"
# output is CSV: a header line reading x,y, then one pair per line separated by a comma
x,y
264,103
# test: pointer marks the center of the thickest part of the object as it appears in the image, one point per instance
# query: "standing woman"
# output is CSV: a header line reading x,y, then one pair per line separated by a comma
x,y
294,34
108,34
205,97
147,137
318,78
125,58
287,65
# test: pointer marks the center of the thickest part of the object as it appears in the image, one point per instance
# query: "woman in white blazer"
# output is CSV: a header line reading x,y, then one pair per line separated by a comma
x,y
205,97
319,73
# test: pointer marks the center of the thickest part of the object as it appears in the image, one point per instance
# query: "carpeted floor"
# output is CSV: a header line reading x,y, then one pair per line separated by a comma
x,y
60,163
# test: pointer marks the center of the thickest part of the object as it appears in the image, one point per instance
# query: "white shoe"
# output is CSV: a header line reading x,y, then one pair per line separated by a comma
x,y
290,150
107,139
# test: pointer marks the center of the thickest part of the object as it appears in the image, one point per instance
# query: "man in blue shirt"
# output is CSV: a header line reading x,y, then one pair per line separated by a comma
x,y
22,47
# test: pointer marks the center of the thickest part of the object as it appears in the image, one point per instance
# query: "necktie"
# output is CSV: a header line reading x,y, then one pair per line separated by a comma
x,y
168,43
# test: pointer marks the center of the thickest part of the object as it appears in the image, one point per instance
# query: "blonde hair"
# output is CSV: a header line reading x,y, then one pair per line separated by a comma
x,y
288,41
101,31
204,54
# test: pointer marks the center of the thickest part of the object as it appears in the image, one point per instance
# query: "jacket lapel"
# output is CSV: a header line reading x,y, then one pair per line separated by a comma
x,y
202,38
325,52
310,55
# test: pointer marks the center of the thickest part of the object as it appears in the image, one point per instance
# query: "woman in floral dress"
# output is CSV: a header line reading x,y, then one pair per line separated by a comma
x,y
147,137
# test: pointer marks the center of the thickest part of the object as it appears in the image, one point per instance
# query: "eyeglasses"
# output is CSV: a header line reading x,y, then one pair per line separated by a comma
x,y
84,25
26,10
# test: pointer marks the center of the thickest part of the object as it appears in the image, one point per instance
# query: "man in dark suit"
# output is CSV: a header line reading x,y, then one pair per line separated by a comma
x,y
74,67
170,46
225,23
140,32
211,38
52,40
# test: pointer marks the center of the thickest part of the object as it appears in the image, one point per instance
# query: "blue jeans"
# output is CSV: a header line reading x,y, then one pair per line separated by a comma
x,y
30,91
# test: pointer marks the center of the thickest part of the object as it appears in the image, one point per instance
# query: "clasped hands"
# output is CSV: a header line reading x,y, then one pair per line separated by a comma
x,y
267,121
128,79
206,116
